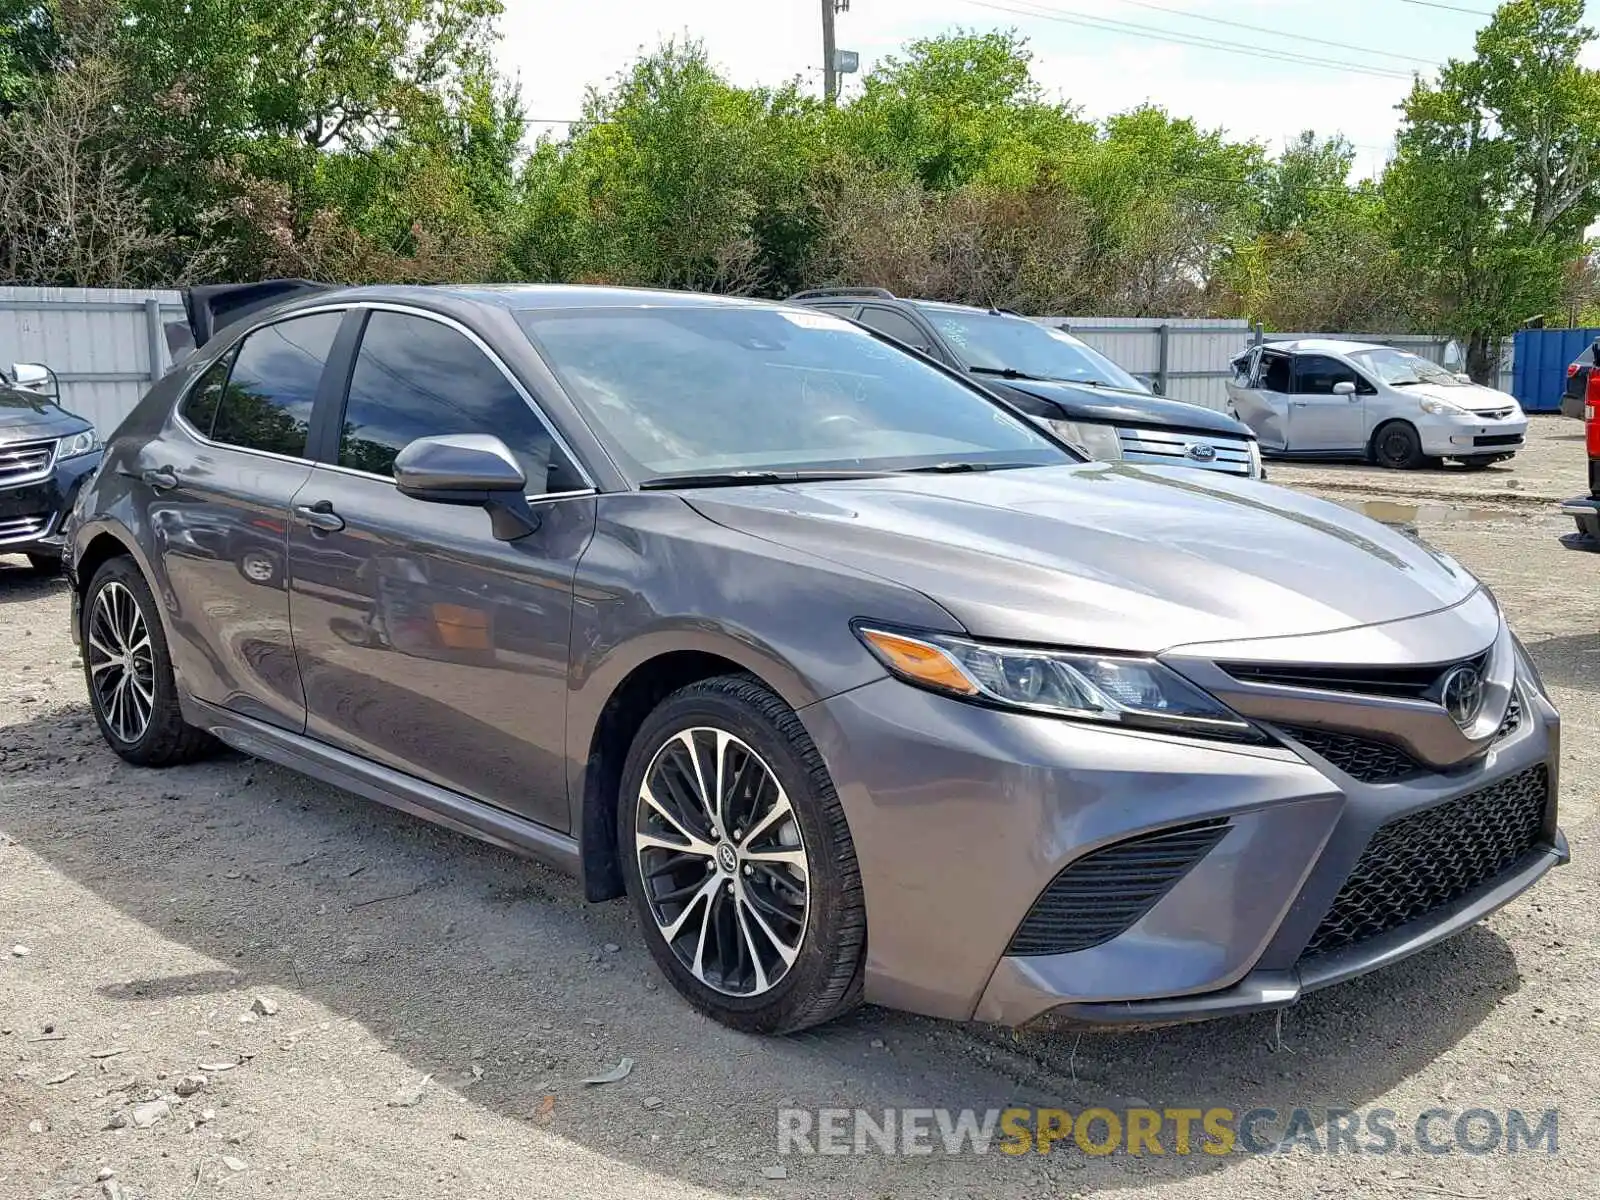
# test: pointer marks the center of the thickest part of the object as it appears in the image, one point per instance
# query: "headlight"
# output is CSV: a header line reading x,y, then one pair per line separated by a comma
x,y
1099,442
1107,689
78,443
1442,408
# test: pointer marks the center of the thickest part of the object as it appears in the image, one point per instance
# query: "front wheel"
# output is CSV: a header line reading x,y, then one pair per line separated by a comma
x,y
739,861
132,688
1397,446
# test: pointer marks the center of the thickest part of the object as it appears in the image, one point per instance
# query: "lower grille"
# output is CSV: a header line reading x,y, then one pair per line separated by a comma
x,y
1103,893
1366,759
25,462
1161,448
1498,439
23,529
1420,862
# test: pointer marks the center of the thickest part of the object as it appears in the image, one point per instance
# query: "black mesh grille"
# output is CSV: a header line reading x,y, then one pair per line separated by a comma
x,y
1103,893
1366,759
1417,863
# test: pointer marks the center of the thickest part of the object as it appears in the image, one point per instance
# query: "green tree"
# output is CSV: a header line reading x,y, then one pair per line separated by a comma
x,y
30,43
1497,174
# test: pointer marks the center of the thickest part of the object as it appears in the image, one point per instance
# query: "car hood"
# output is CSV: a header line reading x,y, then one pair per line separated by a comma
x,y
1079,402
1105,555
1472,397
24,415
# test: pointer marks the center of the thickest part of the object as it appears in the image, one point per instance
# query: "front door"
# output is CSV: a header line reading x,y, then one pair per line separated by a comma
x,y
1261,398
425,643
1321,419
217,502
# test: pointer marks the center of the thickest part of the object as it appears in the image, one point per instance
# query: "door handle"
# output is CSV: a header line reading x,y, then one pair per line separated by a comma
x,y
319,516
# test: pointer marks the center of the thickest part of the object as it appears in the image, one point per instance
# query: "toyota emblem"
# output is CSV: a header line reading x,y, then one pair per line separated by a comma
x,y
1201,451
1461,693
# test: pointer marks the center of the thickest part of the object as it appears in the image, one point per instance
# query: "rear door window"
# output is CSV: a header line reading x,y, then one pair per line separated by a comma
x,y
266,404
199,406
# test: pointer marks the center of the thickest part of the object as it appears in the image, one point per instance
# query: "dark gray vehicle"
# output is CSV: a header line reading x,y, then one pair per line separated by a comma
x,y
858,684
1076,392
46,453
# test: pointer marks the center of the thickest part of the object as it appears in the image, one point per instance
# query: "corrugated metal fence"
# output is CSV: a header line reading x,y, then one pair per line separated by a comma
x,y
106,345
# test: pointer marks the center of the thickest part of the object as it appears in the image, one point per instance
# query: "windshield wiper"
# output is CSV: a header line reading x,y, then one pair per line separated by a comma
x,y
752,478
957,468
1407,382
1006,373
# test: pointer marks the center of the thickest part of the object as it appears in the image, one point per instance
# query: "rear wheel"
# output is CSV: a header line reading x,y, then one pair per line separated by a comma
x,y
132,688
738,859
1397,446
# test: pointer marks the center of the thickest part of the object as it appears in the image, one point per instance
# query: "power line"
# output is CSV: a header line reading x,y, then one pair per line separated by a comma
x,y
1183,39
1294,37
1476,12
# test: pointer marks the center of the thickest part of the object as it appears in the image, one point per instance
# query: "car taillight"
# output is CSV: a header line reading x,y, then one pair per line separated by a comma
x,y
1572,369
1591,415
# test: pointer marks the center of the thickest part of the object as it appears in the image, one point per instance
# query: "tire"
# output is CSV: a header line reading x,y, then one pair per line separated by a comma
x,y
45,564
1396,445
119,610
744,981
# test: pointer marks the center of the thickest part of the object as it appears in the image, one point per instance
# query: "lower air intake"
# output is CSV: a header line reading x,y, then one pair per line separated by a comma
x,y
1103,893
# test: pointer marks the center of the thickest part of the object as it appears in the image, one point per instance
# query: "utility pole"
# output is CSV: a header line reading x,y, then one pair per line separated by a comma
x,y
830,77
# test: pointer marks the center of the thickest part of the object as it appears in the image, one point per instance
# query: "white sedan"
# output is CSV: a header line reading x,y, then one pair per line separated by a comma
x,y
1319,398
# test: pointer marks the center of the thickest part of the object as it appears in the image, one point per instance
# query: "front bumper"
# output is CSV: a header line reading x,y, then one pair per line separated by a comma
x,y
1471,436
962,816
31,515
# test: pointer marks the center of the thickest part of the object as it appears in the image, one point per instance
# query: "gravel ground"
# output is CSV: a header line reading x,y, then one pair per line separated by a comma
x,y
433,1004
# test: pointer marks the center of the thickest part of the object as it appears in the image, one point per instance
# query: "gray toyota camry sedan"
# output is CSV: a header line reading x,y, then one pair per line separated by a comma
x,y
856,683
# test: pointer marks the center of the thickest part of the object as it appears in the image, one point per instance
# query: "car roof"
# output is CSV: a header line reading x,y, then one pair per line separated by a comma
x,y
1324,346
543,295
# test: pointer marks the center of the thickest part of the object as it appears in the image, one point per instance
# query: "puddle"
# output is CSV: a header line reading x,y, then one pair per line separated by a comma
x,y
1391,512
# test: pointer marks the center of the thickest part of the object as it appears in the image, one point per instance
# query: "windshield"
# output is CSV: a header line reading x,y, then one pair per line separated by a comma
x,y
993,342
697,390
1398,368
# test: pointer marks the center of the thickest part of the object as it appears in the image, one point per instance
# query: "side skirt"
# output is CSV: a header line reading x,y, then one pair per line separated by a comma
x,y
387,786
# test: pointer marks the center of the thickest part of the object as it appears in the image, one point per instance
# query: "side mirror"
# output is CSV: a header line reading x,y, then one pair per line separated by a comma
x,y
1344,388
1463,377
35,377
468,468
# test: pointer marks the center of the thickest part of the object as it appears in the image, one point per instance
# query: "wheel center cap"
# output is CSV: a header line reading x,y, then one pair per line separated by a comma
x,y
727,858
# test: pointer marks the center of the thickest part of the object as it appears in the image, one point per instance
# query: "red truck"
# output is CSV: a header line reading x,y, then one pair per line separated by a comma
x,y
1585,510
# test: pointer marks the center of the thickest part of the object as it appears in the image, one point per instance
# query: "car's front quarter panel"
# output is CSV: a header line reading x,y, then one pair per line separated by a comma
x,y
659,578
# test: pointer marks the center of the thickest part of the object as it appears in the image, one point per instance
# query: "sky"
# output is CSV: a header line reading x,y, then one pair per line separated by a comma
x,y
1102,70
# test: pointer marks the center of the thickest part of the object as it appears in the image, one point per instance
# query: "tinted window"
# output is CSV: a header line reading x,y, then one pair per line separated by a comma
x,y
687,389
995,341
900,328
1315,374
267,403
1275,373
199,406
417,378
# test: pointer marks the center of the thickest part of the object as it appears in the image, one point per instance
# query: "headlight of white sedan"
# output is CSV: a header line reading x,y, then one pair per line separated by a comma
x,y
1442,408
78,443
1099,442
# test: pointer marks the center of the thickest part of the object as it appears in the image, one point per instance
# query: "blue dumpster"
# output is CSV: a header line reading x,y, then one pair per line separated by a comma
x,y
1539,371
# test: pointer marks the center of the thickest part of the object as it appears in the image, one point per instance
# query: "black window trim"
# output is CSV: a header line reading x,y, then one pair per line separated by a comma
x,y
343,356
232,349
328,458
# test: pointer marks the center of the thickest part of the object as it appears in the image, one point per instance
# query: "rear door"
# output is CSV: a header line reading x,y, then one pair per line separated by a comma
x,y
1319,418
1261,397
425,643
218,495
